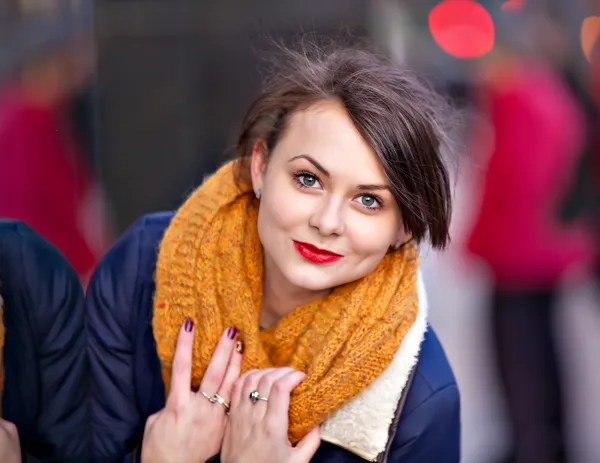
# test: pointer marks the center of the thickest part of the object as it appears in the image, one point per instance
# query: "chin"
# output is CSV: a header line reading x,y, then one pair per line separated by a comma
x,y
312,279
321,278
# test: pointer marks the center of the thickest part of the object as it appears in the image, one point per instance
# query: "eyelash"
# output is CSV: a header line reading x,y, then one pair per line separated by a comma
x,y
298,175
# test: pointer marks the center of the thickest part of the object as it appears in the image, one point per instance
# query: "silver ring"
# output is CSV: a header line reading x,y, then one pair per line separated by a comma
x,y
221,401
210,398
255,397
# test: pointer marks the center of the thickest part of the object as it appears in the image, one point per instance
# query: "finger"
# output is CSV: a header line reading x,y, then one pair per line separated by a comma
x,y
264,389
279,401
246,405
237,391
10,428
233,373
151,420
307,447
181,376
266,381
215,372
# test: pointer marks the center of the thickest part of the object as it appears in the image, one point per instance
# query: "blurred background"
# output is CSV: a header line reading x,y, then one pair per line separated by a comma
x,y
110,109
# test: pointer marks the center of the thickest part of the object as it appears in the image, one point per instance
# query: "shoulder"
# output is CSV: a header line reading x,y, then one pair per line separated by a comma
x,y
127,267
138,245
433,376
147,230
34,276
18,120
433,372
430,425
21,246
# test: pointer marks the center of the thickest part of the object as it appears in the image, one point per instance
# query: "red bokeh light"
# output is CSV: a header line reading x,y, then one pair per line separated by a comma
x,y
462,28
512,5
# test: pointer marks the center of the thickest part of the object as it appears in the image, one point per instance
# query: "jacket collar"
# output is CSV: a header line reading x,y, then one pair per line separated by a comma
x,y
363,425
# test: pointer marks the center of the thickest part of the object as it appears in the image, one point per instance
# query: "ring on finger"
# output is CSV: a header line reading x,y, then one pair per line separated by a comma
x,y
255,397
210,398
222,402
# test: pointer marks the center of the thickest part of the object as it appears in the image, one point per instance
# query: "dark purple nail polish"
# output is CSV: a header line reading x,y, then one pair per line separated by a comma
x,y
189,325
232,332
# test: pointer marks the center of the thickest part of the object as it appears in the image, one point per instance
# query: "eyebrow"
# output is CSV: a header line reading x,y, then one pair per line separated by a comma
x,y
373,187
313,162
327,174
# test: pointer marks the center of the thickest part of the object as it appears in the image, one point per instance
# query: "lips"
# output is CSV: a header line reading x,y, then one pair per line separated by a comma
x,y
316,255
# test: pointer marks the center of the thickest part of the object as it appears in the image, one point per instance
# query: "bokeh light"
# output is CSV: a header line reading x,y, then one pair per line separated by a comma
x,y
462,28
512,5
590,31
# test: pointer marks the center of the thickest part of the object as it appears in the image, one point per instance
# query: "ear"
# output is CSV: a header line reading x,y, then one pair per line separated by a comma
x,y
401,236
258,165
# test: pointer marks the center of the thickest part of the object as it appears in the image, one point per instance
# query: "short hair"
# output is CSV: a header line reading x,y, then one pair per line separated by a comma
x,y
399,116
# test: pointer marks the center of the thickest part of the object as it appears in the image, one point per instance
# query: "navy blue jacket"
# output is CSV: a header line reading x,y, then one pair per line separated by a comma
x,y
46,388
127,385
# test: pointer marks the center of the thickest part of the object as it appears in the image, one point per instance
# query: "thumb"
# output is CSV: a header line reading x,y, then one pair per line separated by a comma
x,y
307,447
10,428
151,420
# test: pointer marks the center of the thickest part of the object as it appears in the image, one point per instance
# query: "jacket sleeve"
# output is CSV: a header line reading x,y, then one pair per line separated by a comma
x,y
46,388
431,431
117,423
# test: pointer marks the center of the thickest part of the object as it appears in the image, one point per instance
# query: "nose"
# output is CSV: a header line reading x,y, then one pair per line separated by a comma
x,y
328,217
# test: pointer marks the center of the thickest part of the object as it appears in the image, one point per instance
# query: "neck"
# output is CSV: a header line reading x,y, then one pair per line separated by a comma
x,y
280,297
42,85
41,96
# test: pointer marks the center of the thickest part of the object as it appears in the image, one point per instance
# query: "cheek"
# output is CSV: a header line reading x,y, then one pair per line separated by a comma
x,y
371,237
282,207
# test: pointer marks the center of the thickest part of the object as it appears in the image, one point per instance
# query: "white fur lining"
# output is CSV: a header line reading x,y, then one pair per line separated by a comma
x,y
362,426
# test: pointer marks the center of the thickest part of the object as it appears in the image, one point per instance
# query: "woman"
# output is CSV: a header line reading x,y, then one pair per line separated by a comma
x,y
300,261
45,180
517,234
44,369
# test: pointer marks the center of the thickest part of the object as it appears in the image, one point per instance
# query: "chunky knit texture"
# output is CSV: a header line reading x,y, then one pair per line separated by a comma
x,y
210,269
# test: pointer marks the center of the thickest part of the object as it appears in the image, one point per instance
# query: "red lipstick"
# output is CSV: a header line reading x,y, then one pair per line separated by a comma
x,y
315,255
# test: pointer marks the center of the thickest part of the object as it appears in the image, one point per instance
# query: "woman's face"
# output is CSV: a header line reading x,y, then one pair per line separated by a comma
x,y
327,216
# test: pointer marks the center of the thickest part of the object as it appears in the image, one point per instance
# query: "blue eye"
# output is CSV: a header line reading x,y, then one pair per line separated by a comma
x,y
369,201
307,180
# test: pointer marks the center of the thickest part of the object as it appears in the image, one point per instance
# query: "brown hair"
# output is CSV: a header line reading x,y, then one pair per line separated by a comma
x,y
399,117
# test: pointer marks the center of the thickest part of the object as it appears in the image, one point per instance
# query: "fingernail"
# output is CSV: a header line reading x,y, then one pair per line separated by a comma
x,y
239,347
232,332
189,325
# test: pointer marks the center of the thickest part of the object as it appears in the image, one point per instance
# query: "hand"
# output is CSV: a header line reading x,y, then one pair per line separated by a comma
x,y
259,431
10,448
190,428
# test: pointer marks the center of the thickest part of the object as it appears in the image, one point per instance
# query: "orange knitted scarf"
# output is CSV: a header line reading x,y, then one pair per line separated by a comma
x,y
210,270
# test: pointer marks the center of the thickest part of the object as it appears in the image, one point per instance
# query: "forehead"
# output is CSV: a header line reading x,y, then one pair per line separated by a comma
x,y
326,132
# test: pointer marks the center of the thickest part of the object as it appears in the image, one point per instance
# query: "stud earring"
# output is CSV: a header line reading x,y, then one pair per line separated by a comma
x,y
257,194
397,245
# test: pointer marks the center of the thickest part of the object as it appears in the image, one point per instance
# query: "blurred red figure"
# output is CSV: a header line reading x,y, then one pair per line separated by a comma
x,y
594,207
539,134
44,178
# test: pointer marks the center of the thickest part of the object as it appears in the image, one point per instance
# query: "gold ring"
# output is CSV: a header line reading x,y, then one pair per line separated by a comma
x,y
221,401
